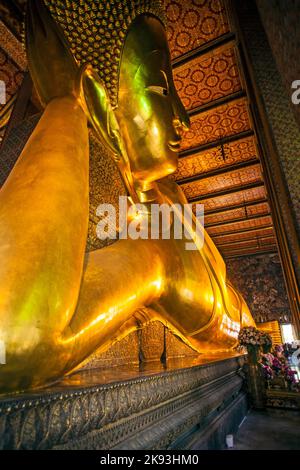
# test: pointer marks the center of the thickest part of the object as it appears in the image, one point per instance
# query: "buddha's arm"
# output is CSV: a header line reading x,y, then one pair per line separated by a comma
x,y
43,230
43,225
117,280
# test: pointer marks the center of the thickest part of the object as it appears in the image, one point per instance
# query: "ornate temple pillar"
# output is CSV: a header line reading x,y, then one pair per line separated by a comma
x,y
278,135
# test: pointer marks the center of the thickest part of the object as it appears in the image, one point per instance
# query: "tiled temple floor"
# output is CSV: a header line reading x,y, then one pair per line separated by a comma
x,y
269,430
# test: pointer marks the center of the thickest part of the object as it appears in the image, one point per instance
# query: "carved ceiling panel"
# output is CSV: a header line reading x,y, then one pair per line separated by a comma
x,y
220,182
249,251
192,23
228,200
232,238
225,216
239,226
208,78
235,152
224,121
258,209
267,241
240,213
255,243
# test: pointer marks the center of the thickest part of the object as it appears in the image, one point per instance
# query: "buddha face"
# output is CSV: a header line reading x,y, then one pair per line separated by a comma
x,y
149,112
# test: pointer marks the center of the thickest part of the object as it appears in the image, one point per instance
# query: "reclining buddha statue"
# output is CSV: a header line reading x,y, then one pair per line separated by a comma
x,y
104,64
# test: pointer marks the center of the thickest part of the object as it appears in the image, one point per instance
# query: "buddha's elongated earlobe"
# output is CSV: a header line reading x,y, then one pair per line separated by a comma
x,y
95,101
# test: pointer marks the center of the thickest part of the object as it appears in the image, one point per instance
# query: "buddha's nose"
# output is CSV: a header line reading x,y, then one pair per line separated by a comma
x,y
181,118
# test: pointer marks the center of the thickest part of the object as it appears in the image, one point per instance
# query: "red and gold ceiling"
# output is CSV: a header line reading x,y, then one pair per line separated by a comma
x,y
219,163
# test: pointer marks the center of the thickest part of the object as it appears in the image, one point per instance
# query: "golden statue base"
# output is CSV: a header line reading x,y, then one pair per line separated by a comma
x,y
189,404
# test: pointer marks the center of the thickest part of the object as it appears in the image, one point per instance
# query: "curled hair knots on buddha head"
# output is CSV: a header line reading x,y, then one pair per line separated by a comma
x,y
96,31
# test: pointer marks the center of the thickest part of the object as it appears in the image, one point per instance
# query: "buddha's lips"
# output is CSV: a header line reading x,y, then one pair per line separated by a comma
x,y
174,146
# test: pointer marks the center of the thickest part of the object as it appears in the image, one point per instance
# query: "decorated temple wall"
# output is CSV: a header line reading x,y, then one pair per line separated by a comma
x,y
276,101
260,281
281,22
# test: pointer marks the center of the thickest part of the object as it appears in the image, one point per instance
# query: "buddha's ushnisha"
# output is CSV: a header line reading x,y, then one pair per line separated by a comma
x,y
96,31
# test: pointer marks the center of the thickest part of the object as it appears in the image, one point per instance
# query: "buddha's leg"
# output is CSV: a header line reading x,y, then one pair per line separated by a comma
x,y
43,229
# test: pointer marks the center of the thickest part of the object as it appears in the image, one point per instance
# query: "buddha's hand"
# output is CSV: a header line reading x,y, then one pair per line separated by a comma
x,y
52,66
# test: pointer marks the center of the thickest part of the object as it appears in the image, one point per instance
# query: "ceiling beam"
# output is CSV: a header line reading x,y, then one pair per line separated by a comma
x,y
241,240
227,249
236,206
272,246
234,221
227,191
244,230
249,248
219,171
216,103
216,143
244,255
226,38
271,251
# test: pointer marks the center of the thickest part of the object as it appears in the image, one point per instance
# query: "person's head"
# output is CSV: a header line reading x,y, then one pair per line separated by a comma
x,y
131,99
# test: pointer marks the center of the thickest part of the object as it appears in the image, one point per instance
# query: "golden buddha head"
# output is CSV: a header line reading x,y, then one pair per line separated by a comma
x,y
126,82
149,111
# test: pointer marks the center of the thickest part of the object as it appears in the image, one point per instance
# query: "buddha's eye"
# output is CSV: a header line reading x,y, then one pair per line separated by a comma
x,y
158,89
